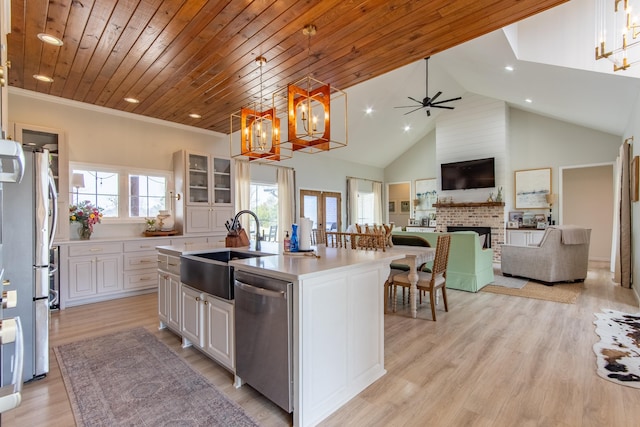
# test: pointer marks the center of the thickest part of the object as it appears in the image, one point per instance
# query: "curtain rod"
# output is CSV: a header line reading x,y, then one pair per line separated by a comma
x,y
363,179
266,164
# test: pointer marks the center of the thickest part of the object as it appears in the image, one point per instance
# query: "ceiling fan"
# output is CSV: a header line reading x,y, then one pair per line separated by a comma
x,y
427,103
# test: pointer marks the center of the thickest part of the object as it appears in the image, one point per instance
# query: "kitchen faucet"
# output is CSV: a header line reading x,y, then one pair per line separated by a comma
x,y
236,225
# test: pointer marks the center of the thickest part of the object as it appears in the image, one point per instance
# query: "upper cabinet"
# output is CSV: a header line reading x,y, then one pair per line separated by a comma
x,y
208,180
205,184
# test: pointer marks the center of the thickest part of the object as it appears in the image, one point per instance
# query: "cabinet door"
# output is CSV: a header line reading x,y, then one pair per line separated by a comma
x,y
222,181
219,330
82,281
163,297
198,179
219,217
109,274
192,316
518,237
174,302
199,220
535,237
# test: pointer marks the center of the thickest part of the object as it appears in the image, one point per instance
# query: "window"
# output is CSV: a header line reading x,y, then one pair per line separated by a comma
x,y
146,195
122,193
365,208
264,202
100,188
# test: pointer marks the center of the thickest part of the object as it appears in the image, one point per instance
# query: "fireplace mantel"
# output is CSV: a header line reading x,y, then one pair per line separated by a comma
x,y
468,204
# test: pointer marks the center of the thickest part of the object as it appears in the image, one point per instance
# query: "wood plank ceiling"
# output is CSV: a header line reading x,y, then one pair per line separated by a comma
x,y
195,56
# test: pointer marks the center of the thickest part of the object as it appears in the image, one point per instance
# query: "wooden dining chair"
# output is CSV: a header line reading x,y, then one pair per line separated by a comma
x,y
430,281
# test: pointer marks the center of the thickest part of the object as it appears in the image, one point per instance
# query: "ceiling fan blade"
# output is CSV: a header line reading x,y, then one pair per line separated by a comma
x,y
442,106
415,100
448,100
407,106
434,97
419,108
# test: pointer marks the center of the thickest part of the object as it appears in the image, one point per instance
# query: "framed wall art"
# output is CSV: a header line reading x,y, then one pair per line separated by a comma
x,y
426,194
532,187
392,206
405,206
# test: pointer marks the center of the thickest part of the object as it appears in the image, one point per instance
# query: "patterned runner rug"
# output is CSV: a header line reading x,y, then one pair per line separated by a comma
x,y
618,352
130,378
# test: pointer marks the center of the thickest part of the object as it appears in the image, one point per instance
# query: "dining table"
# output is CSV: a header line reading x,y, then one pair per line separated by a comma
x,y
413,257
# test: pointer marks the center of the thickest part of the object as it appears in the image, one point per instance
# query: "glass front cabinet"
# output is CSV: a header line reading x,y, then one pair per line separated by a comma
x,y
206,183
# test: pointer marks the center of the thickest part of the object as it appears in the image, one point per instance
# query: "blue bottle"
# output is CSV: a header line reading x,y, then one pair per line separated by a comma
x,y
294,238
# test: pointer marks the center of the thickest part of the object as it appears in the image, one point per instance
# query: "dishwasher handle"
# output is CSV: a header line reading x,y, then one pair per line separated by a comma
x,y
260,291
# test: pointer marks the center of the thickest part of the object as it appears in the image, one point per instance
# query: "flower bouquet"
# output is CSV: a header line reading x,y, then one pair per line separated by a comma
x,y
87,215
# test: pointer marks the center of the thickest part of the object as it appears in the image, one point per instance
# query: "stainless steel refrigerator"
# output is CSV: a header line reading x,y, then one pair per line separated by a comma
x,y
28,227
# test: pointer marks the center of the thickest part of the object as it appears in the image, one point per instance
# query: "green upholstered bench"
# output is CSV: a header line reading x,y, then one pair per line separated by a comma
x,y
470,267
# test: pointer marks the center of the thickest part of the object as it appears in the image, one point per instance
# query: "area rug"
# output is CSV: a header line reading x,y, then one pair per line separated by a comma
x,y
618,352
132,379
508,282
561,292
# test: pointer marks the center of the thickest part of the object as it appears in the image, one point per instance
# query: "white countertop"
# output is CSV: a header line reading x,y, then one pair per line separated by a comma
x,y
294,267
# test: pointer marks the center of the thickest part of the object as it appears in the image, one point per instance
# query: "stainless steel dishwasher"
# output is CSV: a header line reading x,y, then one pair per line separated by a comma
x,y
263,317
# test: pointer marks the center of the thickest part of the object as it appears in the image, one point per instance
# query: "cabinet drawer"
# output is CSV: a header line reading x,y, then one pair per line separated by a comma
x,y
173,265
162,261
140,261
141,280
186,241
96,248
138,246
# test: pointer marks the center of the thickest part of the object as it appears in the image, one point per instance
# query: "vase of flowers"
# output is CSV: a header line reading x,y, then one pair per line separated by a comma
x,y
87,215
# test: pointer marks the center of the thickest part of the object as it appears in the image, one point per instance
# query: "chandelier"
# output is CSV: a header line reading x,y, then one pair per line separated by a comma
x,y
309,105
255,132
617,32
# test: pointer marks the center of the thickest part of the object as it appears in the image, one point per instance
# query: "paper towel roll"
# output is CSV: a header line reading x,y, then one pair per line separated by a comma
x,y
304,234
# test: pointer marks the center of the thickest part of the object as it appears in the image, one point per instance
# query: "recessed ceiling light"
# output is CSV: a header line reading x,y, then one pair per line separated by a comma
x,y
49,39
407,128
508,68
195,116
43,78
132,100
368,110
528,100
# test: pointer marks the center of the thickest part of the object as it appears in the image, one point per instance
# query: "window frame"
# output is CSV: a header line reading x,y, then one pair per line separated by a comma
x,y
123,187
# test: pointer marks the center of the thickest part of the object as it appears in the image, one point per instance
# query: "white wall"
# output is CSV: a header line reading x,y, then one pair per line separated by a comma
x,y
101,135
633,130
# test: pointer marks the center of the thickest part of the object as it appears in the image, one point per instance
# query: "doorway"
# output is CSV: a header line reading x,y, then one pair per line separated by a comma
x,y
587,200
323,208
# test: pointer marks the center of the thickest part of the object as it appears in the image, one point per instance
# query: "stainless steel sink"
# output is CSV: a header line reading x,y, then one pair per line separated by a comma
x,y
210,272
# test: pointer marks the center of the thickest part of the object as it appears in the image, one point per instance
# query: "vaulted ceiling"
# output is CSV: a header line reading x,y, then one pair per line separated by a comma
x,y
180,57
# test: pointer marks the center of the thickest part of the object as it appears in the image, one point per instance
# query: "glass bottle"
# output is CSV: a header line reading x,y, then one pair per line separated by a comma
x,y
287,242
294,238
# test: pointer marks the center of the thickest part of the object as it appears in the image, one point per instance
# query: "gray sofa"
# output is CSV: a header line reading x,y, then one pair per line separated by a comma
x,y
561,256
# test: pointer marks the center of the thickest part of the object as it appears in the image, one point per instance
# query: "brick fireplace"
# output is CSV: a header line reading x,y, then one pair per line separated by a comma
x,y
484,214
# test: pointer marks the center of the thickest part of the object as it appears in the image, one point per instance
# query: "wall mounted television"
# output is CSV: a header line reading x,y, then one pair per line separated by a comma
x,y
469,174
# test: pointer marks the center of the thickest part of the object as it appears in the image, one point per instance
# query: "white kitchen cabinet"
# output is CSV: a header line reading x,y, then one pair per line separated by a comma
x,y
219,331
91,276
523,237
169,292
140,265
207,323
207,186
192,318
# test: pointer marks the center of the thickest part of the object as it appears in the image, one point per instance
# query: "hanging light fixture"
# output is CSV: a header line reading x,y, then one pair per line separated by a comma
x,y
617,31
255,132
308,104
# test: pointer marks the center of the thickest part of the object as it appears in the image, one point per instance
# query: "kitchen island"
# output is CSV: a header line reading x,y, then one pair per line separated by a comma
x,y
337,321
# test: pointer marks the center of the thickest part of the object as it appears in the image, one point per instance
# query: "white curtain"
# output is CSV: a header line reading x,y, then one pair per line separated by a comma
x,y
286,200
243,191
377,203
623,263
352,200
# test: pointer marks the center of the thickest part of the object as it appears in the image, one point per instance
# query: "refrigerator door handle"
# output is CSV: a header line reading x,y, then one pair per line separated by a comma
x,y
13,397
53,193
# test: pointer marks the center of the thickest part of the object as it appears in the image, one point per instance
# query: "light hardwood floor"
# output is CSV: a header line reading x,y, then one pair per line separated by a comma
x,y
492,360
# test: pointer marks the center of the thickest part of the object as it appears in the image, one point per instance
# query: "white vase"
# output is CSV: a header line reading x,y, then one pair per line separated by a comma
x,y
165,220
